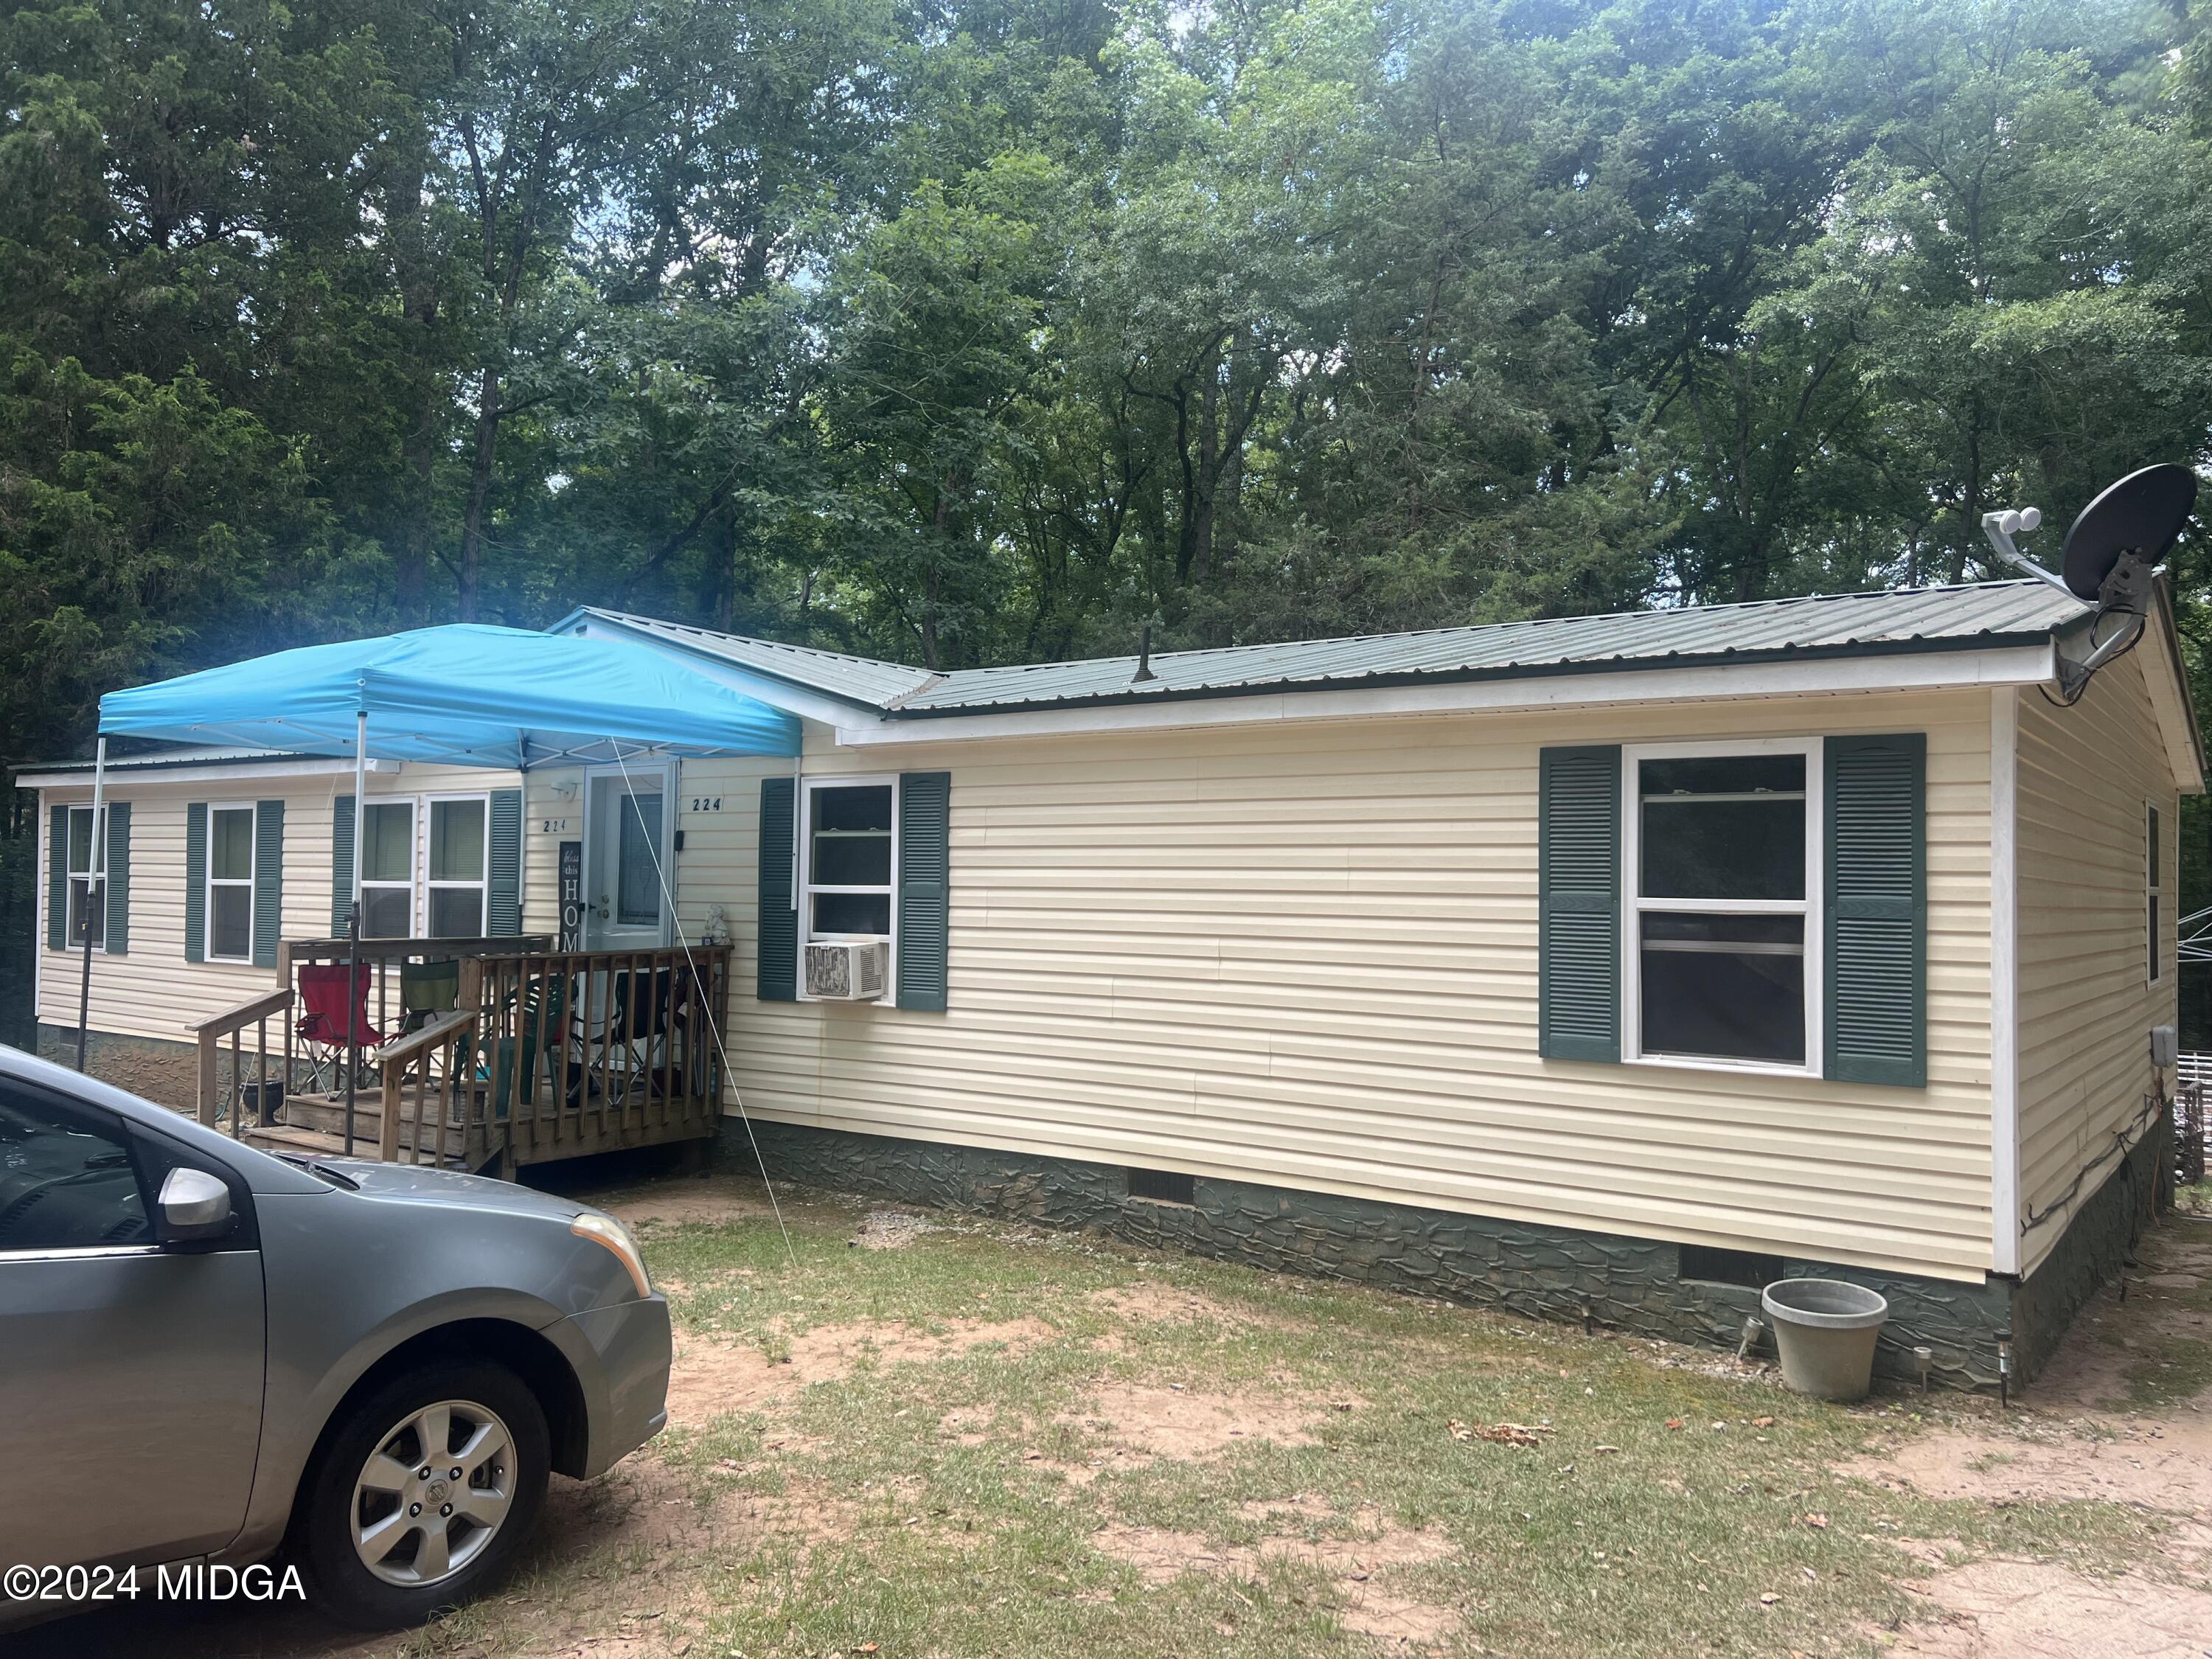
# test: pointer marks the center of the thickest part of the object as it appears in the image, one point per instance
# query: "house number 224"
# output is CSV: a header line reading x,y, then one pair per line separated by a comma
x,y
706,803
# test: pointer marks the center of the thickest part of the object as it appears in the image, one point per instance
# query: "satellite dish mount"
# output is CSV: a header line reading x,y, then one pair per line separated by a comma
x,y
2111,557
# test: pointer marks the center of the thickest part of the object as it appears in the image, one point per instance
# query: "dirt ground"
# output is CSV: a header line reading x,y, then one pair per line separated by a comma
x,y
2090,1431
628,1566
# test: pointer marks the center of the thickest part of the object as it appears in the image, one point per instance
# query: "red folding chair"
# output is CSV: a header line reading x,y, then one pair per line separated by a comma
x,y
323,1026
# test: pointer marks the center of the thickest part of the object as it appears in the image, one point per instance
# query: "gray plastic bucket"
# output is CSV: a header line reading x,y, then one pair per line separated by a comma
x,y
1826,1329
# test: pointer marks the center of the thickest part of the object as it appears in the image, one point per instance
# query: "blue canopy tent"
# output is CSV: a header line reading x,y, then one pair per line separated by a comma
x,y
465,694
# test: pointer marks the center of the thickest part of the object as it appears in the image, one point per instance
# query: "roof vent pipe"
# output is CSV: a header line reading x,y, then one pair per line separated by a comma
x,y
1144,660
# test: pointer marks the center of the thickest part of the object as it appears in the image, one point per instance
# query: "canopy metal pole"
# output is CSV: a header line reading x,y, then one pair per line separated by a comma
x,y
353,998
95,882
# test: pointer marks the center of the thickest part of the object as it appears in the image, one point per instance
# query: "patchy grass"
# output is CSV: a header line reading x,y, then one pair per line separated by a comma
x,y
984,1501
975,1439
2173,1363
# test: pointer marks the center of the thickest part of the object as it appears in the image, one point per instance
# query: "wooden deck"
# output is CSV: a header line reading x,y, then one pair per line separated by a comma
x,y
544,1055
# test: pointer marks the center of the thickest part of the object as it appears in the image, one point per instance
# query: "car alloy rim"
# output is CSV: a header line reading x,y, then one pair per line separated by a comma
x,y
434,1493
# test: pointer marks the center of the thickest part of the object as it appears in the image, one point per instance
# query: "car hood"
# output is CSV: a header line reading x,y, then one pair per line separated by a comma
x,y
467,1192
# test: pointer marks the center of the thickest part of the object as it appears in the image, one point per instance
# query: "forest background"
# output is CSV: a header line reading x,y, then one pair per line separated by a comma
x,y
982,332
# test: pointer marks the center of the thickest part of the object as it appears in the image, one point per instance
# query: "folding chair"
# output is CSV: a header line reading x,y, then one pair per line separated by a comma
x,y
541,1009
638,1017
428,989
323,1027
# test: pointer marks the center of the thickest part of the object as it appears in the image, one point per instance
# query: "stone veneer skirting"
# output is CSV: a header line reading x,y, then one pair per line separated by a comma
x,y
1545,1273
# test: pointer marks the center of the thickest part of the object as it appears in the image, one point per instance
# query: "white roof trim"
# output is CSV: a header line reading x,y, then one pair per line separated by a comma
x,y
126,773
2168,685
777,693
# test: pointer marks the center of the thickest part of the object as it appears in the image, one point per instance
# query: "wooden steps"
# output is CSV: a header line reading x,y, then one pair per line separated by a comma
x,y
326,1113
316,1143
314,1125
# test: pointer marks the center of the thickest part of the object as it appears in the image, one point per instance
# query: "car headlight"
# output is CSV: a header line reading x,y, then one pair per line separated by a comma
x,y
606,1231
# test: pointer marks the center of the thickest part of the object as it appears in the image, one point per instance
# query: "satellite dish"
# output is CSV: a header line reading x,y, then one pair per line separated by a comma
x,y
2142,514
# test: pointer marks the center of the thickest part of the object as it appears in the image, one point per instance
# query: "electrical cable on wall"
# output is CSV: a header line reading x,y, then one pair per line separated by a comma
x,y
2123,1142
2068,699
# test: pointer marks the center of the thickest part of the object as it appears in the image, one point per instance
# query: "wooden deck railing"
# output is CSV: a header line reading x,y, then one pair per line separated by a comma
x,y
588,1051
547,1053
433,1108
383,960
232,1023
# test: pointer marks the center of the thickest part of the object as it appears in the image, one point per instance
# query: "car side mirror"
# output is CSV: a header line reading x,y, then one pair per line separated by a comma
x,y
194,1205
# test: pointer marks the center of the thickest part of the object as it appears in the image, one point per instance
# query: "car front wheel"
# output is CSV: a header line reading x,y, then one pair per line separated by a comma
x,y
424,1494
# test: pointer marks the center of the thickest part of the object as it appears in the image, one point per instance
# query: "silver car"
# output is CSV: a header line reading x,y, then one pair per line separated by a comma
x,y
209,1355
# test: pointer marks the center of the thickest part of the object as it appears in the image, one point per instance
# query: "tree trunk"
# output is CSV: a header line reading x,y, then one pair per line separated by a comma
x,y
418,537
725,595
416,274
487,443
1221,528
1209,473
1959,553
940,523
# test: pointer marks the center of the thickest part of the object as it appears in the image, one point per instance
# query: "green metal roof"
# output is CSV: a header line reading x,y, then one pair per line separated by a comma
x,y
1974,616
862,680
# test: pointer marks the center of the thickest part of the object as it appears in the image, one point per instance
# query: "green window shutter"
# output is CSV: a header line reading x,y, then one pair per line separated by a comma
x,y
924,892
1578,888
195,855
341,865
505,899
268,881
778,966
119,878
1876,917
58,879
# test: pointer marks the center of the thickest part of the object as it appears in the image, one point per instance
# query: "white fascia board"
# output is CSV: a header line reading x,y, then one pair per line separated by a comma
x,y
80,777
2020,664
2169,692
777,693
2005,979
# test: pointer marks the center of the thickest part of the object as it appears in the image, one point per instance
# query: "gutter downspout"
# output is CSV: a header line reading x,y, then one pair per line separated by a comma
x,y
95,882
354,1000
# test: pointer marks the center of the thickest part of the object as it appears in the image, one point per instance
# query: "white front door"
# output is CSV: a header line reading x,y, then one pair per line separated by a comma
x,y
627,868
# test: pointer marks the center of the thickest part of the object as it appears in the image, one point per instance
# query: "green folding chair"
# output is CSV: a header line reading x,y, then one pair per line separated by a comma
x,y
543,1005
428,989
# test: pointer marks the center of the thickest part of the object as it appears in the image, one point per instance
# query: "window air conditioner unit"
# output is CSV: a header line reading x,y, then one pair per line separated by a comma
x,y
850,971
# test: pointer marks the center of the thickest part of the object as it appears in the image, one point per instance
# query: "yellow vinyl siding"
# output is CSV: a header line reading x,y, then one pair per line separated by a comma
x,y
153,991
552,812
2087,775
1307,954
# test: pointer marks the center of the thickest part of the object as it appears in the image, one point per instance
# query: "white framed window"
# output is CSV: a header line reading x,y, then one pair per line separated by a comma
x,y
87,907
229,895
1720,922
848,863
454,874
387,870
2152,885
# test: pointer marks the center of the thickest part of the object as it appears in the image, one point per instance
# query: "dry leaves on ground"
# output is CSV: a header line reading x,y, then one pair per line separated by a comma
x,y
1500,1434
